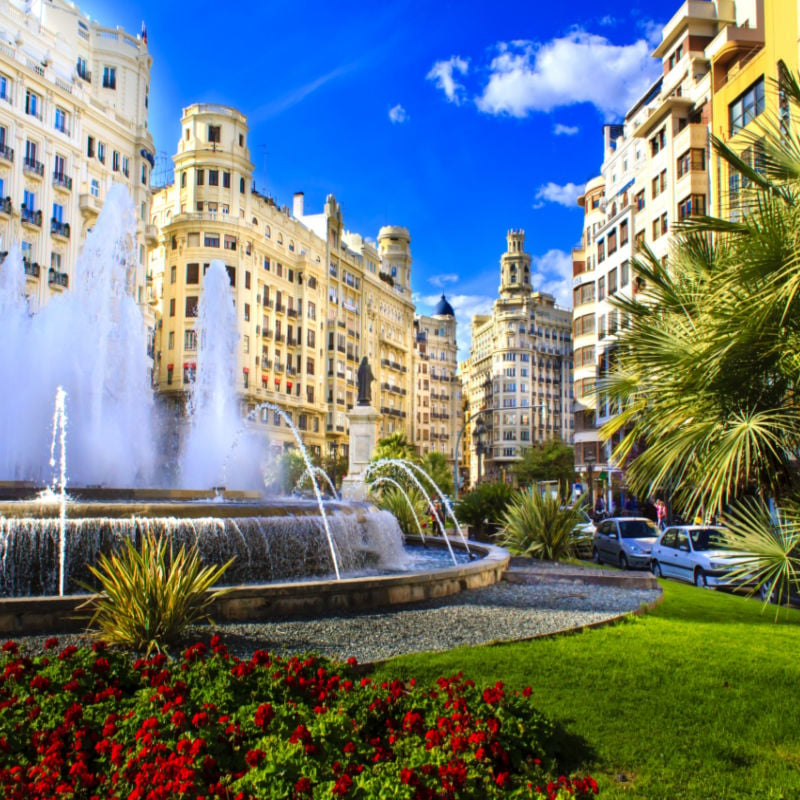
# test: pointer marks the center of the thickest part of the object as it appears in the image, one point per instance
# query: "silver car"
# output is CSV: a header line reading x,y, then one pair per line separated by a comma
x,y
693,553
624,541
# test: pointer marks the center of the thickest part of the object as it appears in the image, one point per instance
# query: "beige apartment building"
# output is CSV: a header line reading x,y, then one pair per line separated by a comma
x,y
73,121
518,378
312,297
655,172
437,403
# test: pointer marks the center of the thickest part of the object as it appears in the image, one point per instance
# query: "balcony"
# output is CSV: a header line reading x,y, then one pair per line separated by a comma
x,y
33,166
62,181
6,153
278,366
6,206
89,204
267,333
57,279
30,217
151,234
59,228
32,270
279,308
269,303
84,75
292,312
279,337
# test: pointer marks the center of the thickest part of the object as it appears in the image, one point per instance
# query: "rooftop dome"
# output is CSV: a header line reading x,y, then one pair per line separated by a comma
x,y
443,309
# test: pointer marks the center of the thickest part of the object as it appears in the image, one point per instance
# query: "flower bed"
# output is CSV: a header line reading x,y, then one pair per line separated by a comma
x,y
93,723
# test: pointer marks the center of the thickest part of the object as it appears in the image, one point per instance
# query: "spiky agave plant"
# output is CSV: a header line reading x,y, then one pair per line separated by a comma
x,y
541,526
150,594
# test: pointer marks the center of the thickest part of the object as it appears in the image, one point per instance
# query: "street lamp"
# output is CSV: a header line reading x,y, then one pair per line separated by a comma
x,y
478,432
475,415
334,452
589,459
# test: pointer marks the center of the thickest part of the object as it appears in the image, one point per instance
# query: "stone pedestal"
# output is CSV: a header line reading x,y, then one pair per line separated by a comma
x,y
363,436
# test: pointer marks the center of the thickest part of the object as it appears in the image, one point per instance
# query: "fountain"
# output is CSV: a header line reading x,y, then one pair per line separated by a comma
x,y
291,556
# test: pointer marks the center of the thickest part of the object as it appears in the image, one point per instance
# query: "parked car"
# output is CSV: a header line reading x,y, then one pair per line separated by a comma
x,y
624,541
693,553
583,535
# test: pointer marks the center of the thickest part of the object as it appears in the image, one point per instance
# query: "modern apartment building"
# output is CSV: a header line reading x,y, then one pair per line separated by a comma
x,y
312,297
73,121
655,170
518,378
437,403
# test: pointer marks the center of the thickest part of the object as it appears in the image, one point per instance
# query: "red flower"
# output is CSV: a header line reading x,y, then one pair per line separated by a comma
x,y
11,647
255,757
51,643
264,715
303,786
342,785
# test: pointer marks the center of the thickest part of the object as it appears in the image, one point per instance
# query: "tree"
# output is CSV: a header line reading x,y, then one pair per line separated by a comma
x,y
396,445
705,376
435,464
483,507
550,461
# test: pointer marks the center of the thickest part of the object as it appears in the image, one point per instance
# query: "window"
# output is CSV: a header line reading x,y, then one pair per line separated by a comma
x,y
747,106
226,180
173,274
213,177
115,160
90,146
211,240
640,200
247,279
624,273
241,185
109,77
144,174
612,242
190,340
94,188
638,241
601,289
58,213
246,343
601,250
612,281
33,104
171,340
658,142
190,308
214,134
693,205
199,177
247,312
231,275
230,242
172,307
192,273
60,123
623,232
80,68
125,167
101,152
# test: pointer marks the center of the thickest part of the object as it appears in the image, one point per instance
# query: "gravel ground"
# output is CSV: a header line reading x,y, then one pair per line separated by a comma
x,y
504,612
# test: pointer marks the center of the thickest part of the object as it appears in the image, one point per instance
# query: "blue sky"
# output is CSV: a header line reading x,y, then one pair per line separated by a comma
x,y
456,120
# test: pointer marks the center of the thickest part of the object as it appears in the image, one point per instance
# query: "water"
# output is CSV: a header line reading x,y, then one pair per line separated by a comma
x,y
90,340
266,549
60,479
381,479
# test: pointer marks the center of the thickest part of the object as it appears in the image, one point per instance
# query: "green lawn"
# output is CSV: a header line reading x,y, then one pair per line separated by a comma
x,y
697,699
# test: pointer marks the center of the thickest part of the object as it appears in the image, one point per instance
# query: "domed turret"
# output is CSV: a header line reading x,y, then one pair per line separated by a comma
x,y
443,309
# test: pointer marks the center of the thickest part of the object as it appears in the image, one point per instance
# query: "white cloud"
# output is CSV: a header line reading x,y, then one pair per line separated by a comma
x,y
566,195
578,68
552,273
442,280
443,74
398,115
565,130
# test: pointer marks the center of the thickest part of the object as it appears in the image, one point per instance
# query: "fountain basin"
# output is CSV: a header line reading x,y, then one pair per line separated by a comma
x,y
28,615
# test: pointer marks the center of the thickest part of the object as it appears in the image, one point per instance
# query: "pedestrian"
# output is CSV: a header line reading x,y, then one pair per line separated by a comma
x,y
661,514
599,507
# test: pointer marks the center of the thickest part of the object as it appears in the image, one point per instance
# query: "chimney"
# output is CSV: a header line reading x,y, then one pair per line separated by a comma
x,y
297,205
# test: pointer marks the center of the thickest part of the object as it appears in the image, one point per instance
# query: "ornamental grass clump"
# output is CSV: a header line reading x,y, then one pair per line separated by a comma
x,y
541,526
95,724
150,594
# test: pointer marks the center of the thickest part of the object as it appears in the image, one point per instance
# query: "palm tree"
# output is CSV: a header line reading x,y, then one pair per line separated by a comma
x,y
705,374
396,445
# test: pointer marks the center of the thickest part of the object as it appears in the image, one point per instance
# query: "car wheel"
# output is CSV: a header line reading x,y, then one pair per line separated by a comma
x,y
623,561
656,569
596,556
700,579
766,592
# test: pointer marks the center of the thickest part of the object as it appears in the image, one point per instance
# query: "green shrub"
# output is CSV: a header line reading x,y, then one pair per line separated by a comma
x,y
483,508
150,594
392,499
541,526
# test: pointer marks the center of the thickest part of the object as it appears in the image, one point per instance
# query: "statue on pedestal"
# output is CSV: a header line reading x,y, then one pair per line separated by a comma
x,y
365,378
